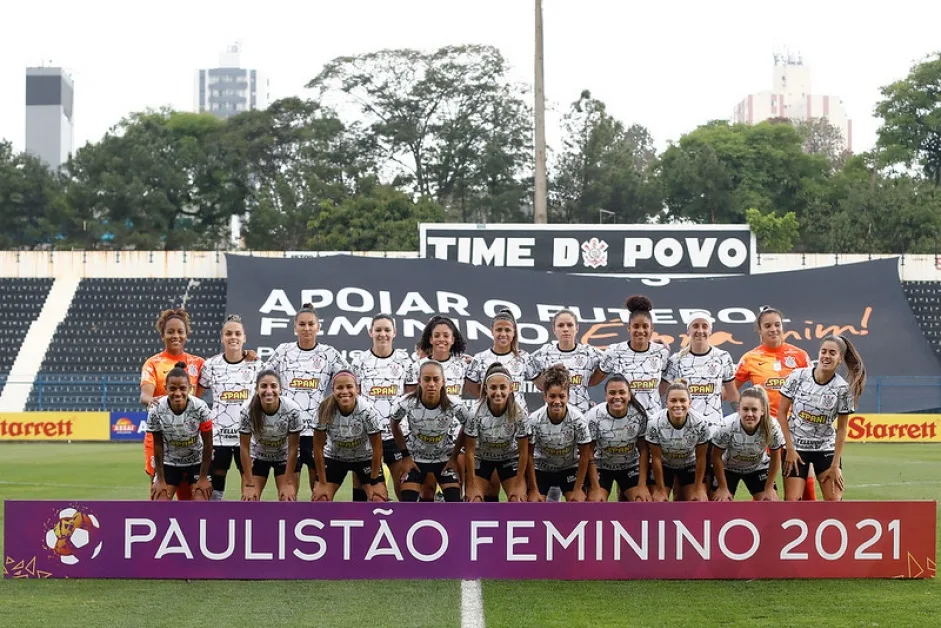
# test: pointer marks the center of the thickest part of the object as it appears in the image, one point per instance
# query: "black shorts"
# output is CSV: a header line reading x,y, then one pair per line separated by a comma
x,y
222,456
565,480
626,478
336,470
391,452
505,469
417,476
821,461
685,476
305,454
174,476
262,468
754,481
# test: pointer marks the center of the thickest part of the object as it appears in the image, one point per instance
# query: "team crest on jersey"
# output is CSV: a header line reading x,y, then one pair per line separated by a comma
x,y
248,375
828,400
595,253
712,368
192,423
192,370
653,363
318,362
790,362
689,438
580,361
396,370
515,366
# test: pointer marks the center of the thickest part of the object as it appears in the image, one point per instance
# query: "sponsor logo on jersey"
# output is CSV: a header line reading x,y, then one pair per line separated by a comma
x,y
702,390
676,455
516,386
498,444
553,451
819,419
189,442
266,442
623,449
753,458
234,395
644,384
384,391
309,383
431,440
349,444
577,380
453,389
775,383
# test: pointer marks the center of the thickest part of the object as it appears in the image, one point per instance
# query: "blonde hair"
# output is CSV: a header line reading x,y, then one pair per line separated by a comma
x,y
759,393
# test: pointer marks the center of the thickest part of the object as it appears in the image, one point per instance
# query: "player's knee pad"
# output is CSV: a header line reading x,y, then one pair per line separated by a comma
x,y
452,494
359,494
409,496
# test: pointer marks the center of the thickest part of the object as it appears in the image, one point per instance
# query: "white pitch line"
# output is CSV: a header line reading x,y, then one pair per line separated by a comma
x,y
933,482
56,485
472,605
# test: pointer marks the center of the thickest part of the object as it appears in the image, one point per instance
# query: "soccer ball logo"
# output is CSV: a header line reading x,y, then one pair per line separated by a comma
x,y
74,535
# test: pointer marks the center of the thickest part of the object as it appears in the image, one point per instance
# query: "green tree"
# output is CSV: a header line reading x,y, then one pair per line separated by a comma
x,y
775,234
911,111
822,138
33,213
604,166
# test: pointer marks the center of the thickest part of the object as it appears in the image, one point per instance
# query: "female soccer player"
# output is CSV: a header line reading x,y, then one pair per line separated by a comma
x,y
561,445
444,343
580,359
678,438
770,363
230,376
641,361
347,438
741,446
505,350
618,427
812,399
174,328
269,428
306,367
496,440
382,373
429,449
183,438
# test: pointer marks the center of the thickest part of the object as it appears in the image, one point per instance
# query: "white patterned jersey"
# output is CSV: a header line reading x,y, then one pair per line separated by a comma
x,y
518,366
232,384
814,409
496,436
181,433
555,445
271,443
431,431
382,381
581,363
705,374
642,369
455,369
678,446
348,436
743,452
305,376
616,438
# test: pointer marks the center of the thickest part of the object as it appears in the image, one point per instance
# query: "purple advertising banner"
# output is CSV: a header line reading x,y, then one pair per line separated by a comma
x,y
336,541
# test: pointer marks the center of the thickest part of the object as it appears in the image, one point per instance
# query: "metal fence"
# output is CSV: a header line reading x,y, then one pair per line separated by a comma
x,y
122,391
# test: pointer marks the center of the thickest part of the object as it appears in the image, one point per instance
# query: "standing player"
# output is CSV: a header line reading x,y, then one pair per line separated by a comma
x,y
183,438
505,350
429,449
678,438
812,400
581,360
741,448
382,373
561,445
496,439
347,439
618,427
444,343
641,361
305,368
769,364
174,328
230,376
270,429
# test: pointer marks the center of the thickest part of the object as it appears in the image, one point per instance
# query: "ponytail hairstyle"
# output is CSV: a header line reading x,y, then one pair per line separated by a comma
x,y
557,375
329,406
168,315
638,305
507,315
620,379
759,393
179,370
459,347
854,364
255,411
307,308
445,400
513,410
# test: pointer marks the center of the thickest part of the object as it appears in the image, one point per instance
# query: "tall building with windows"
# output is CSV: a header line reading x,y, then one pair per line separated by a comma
x,y
230,89
49,128
791,97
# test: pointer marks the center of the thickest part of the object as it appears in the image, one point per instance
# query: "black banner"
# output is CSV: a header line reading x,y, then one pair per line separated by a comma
x,y
864,301
635,250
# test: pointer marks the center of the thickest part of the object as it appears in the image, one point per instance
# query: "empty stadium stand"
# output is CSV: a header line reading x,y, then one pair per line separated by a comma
x,y
21,302
94,360
924,297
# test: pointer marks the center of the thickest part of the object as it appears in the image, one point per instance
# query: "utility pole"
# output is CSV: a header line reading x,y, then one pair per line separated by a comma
x,y
540,212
